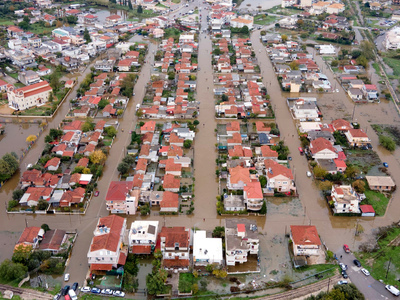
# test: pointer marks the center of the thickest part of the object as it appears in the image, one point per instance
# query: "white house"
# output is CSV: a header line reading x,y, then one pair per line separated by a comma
x,y
206,250
305,240
345,199
304,109
322,148
175,247
106,249
241,240
143,236
28,96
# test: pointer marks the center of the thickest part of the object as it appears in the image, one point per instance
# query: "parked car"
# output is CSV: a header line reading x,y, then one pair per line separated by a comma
x,y
343,266
96,193
365,271
346,248
74,286
118,294
65,290
57,297
357,263
95,290
344,274
386,165
392,289
340,282
107,292
301,151
289,158
66,276
309,174
85,289
67,297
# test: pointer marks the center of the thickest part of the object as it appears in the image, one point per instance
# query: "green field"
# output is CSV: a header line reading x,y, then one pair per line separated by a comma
x,y
378,201
264,20
394,64
377,262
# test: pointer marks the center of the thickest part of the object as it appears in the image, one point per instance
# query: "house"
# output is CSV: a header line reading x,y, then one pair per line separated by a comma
x,y
381,183
345,199
335,8
357,137
75,196
242,21
367,210
118,195
30,237
279,177
253,195
341,125
171,183
370,92
238,177
355,94
106,250
206,250
143,237
149,126
170,202
305,240
305,109
30,177
322,148
314,134
28,77
54,241
175,247
28,96
33,195
113,19
241,240
234,203
53,164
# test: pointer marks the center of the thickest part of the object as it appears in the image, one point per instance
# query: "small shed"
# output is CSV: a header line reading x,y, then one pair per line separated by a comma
x,y
367,210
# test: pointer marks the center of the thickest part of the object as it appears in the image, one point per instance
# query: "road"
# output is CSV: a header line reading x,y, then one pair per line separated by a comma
x,y
371,288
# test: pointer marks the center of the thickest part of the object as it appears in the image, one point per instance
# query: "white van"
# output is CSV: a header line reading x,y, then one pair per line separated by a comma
x,y
72,294
137,107
393,290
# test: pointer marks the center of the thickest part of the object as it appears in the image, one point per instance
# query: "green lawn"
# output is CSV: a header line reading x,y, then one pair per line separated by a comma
x,y
186,281
377,262
394,64
264,20
13,75
284,11
377,69
6,22
314,269
378,201
36,28
176,1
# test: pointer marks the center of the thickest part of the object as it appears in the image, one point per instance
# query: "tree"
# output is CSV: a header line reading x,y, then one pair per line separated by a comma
x,y
218,232
355,53
51,98
21,254
45,227
325,185
263,209
294,65
86,36
351,171
367,48
11,160
55,82
319,172
155,281
110,131
129,159
31,138
130,4
387,142
171,75
23,25
72,19
334,63
103,103
363,61
139,9
97,157
11,271
127,85
359,186
17,194
88,126
263,180
123,168
244,30
187,144
284,38
42,204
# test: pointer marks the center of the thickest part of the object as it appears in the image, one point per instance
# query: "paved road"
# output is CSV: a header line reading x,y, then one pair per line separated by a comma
x,y
371,288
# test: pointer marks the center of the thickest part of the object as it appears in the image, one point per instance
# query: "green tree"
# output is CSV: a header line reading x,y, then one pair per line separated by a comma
x,y
87,126
12,162
72,19
86,35
263,180
187,144
24,25
244,30
21,254
139,9
5,171
284,38
11,271
319,172
363,61
325,185
367,48
127,85
123,168
359,186
17,194
294,65
103,103
45,227
219,232
55,82
110,131
51,98
155,281
171,75
42,204
387,142
129,159
263,209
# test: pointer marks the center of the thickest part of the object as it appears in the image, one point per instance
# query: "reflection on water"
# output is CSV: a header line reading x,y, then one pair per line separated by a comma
x,y
103,14
265,4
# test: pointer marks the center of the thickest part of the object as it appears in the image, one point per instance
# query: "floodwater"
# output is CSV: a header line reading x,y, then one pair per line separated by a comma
x,y
14,137
103,14
255,4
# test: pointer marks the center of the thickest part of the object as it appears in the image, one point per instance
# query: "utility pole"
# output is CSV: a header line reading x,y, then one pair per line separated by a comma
x,y
387,271
329,282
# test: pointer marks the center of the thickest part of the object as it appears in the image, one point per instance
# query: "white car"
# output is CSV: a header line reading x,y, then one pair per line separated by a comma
x,y
343,266
86,289
309,174
66,276
340,282
365,271
118,294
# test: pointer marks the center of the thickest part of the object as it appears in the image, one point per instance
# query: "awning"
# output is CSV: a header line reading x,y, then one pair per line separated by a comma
x,y
100,267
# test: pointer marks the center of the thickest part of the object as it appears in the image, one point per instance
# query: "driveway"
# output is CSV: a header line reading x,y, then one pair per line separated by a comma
x,y
371,288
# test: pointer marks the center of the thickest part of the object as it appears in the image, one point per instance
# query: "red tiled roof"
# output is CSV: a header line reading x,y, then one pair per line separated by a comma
x,y
170,200
118,190
276,169
176,263
141,249
28,235
100,267
366,208
122,258
174,235
320,144
305,235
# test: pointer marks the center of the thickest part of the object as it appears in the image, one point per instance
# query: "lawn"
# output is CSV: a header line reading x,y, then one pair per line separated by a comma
x,y
264,20
176,1
394,64
186,281
377,262
284,11
38,29
314,269
146,14
378,201
6,22
377,69
363,159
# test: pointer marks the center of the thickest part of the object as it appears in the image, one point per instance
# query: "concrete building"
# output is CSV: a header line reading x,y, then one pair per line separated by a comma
x,y
206,250
143,236
28,96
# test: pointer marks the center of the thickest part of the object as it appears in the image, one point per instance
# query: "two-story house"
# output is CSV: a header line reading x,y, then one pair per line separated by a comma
x,y
143,237
106,250
241,240
305,240
175,247
206,250
357,137
345,199
279,177
121,198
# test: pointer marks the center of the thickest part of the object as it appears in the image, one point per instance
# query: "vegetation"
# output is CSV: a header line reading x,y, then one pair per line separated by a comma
x,y
378,201
155,281
340,292
10,271
9,164
283,151
387,142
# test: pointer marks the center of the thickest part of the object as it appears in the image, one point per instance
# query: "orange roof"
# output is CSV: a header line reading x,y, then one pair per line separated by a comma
x,y
239,174
276,169
240,151
170,200
262,127
358,133
341,124
305,235
174,235
171,182
320,144
149,126
171,166
253,190
100,267
28,235
141,249
54,162
236,138
141,164
266,151
108,241
233,126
